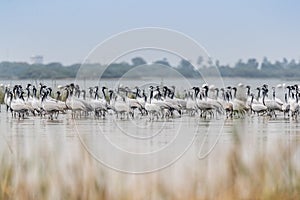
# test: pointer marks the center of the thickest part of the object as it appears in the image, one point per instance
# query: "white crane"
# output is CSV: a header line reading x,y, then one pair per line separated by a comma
x,y
258,107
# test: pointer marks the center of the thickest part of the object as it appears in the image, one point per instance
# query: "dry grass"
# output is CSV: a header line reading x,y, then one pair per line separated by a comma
x,y
42,173
1,96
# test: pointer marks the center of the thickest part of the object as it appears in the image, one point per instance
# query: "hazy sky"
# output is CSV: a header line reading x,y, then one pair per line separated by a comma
x,y
65,31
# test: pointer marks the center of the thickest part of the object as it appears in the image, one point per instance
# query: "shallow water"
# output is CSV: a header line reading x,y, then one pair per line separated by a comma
x,y
133,145
140,145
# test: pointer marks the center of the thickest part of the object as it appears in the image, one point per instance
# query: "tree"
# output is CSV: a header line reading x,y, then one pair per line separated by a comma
x,y
163,62
137,61
187,69
217,63
252,63
200,61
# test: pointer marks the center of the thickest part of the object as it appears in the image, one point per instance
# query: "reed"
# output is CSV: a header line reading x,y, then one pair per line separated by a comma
x,y
45,173
1,97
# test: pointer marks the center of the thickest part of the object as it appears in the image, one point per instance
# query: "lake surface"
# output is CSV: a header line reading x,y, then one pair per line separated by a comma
x,y
180,83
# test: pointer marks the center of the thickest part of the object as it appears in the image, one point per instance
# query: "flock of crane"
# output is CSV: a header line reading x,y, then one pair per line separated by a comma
x,y
155,102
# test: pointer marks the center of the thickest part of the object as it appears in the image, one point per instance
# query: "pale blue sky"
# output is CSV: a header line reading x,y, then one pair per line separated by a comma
x,y
65,31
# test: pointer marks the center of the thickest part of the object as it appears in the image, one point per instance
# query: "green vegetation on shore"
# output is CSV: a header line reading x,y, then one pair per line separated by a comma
x,y
249,68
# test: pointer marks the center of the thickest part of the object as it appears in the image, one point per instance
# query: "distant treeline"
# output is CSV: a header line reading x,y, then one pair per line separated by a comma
x,y
249,68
